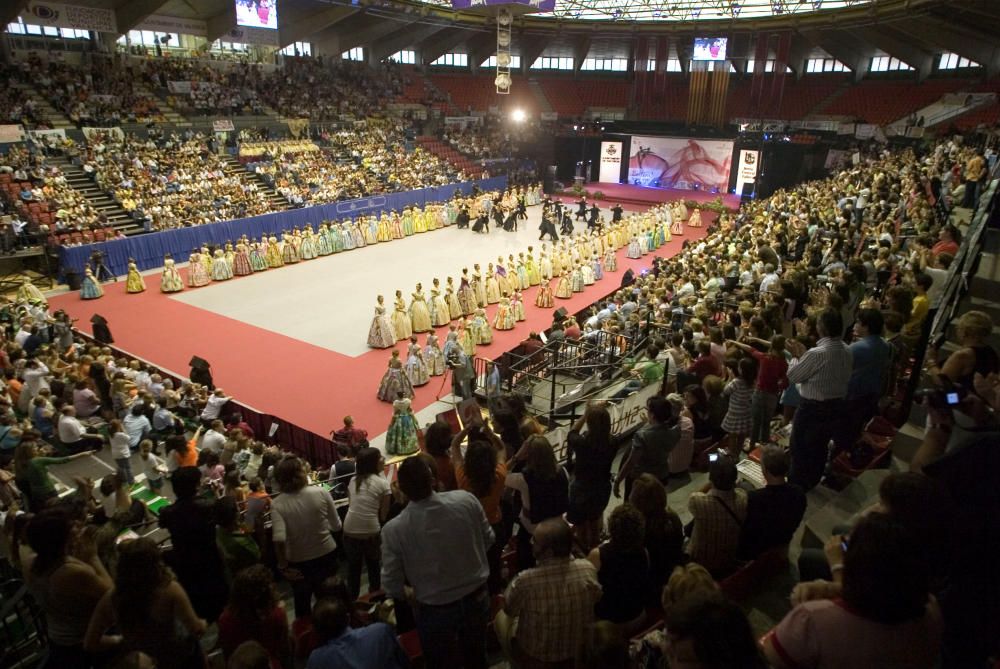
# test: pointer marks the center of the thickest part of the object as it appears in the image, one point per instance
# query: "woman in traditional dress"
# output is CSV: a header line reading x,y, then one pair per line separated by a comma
x,y
90,288
396,226
544,268
289,253
230,256
358,234
564,287
596,267
323,247
369,228
394,381
416,368
401,437
381,334
273,256
467,338
481,327
492,286
220,268
197,276
478,286
401,324
610,261
307,249
694,221
440,312
634,249
534,276
134,283
522,273
384,229
420,315
587,272
544,297
577,280
503,319
502,281
454,306
342,239
258,255
170,278
206,260
466,296
241,259
433,356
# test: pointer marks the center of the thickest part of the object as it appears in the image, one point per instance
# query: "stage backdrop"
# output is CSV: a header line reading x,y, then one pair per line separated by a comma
x,y
680,162
148,250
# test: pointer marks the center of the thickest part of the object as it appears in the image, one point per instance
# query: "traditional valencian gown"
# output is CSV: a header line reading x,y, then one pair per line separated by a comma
x,y
197,276
134,282
170,279
433,356
241,260
401,437
544,297
420,315
416,368
90,288
381,333
394,381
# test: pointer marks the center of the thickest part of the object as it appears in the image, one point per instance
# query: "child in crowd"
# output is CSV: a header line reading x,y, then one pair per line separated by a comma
x,y
120,451
152,465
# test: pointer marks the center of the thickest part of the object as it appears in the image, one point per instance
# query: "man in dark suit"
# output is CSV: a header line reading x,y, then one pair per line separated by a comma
x,y
616,213
651,446
581,208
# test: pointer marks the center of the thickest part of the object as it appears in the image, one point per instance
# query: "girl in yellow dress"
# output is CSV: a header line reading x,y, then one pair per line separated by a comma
x,y
440,313
400,319
420,315
492,286
134,283
273,255
695,220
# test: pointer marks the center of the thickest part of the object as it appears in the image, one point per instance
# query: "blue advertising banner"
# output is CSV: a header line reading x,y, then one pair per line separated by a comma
x,y
148,250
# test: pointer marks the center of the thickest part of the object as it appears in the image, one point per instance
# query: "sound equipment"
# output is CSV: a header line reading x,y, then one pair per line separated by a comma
x,y
199,363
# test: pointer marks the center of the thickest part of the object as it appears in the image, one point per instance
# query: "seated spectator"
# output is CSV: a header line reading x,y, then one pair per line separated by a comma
x,y
718,512
886,611
623,569
74,436
254,612
32,476
775,511
550,605
343,646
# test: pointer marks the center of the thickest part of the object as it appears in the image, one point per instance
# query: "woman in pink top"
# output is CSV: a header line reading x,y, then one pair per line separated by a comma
x,y
884,616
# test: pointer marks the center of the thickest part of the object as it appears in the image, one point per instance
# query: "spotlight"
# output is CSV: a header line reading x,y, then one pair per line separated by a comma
x,y
518,116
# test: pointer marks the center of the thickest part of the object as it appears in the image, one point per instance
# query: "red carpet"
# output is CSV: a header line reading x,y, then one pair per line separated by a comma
x,y
309,386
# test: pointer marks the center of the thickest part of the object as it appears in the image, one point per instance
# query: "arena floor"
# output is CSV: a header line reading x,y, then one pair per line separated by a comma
x,y
291,342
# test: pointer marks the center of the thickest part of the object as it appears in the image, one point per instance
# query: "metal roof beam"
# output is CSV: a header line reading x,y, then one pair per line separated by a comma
x,y
304,27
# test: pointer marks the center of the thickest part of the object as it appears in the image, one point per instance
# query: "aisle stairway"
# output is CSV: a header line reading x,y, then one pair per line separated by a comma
x,y
43,109
233,166
168,112
458,160
117,217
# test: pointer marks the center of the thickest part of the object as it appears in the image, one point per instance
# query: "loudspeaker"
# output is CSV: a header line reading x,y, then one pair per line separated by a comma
x,y
98,319
560,314
199,363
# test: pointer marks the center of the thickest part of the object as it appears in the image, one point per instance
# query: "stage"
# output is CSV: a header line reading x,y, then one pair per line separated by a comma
x,y
290,341
641,197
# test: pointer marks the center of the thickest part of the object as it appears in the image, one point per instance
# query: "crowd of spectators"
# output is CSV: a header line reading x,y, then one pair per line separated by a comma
x,y
171,181
16,106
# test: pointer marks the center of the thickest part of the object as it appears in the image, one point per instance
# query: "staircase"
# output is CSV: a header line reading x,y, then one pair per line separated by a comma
x,y
43,110
169,113
949,107
543,102
827,101
118,218
234,167
443,151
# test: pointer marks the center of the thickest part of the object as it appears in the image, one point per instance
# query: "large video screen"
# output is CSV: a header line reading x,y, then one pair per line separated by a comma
x,y
709,48
257,13
680,162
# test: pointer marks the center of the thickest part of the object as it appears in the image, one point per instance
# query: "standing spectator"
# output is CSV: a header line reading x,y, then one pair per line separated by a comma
x,y
871,356
589,491
369,496
213,406
438,545
975,355
551,605
31,474
821,374
195,558
136,425
85,401
254,612
771,381
623,569
303,519
707,631
651,446
775,511
718,512
663,534
150,610
214,439
543,486
67,580
120,451
437,443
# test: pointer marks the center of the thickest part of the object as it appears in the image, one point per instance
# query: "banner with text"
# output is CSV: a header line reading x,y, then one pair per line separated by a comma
x,y
11,133
70,16
746,172
680,162
173,24
611,162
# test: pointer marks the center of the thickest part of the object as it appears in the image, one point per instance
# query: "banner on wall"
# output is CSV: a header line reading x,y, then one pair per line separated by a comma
x,y
173,24
59,15
864,131
680,162
115,132
223,125
11,133
746,171
611,162
40,135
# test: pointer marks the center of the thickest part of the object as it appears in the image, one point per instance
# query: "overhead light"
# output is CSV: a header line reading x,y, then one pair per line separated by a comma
x,y
518,115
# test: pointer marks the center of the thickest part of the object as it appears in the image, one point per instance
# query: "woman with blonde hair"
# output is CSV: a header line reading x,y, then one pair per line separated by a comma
x,y
975,356
544,489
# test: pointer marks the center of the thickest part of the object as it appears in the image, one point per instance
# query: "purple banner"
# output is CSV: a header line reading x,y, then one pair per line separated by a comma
x,y
532,5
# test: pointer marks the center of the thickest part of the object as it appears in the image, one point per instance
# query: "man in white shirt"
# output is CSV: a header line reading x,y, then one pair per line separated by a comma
x,y
74,436
213,406
769,283
214,439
